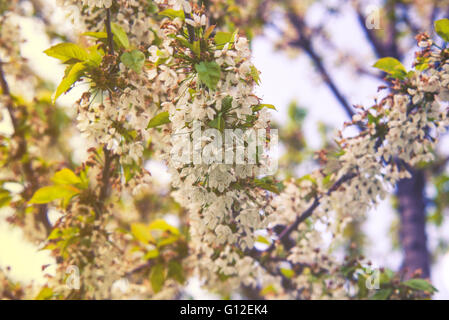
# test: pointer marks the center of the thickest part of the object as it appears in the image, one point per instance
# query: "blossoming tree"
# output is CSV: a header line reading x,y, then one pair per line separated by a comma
x,y
155,71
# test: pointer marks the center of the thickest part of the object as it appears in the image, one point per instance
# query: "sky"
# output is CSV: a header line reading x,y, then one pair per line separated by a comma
x,y
283,79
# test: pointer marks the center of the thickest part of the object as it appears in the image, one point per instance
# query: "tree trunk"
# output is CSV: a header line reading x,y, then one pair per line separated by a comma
x,y
410,193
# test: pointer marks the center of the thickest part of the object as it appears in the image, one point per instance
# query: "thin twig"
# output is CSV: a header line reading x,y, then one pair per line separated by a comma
x,y
109,32
105,176
306,214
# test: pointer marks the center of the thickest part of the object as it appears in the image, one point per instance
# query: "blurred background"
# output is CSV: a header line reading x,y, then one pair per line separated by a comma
x,y
315,59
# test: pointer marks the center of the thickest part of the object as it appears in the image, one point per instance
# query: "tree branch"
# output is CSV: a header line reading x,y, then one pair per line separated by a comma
x,y
285,233
26,165
305,43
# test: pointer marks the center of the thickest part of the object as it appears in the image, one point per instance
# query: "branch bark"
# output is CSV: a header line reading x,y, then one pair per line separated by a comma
x,y
27,168
413,222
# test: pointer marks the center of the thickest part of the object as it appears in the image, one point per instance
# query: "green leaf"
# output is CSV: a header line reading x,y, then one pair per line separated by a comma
x,y
157,277
218,123
98,35
382,294
166,241
261,106
175,271
263,240
5,197
442,29
55,234
66,176
288,273
361,283
129,170
171,13
159,120
391,66
141,232
209,31
95,56
226,104
209,73
420,284
161,224
74,73
50,193
266,184
46,293
270,289
255,74
151,254
386,276
133,60
66,52
120,35
221,38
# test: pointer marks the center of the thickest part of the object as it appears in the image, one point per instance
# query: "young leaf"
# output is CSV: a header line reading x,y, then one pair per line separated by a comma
x,y
218,123
171,13
255,74
98,35
120,35
151,254
66,52
266,184
66,176
141,232
391,66
95,56
175,271
261,106
420,284
221,38
209,73
208,31
74,73
442,28
55,234
161,224
288,273
133,60
226,104
5,197
263,240
46,293
157,277
382,294
159,120
50,193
